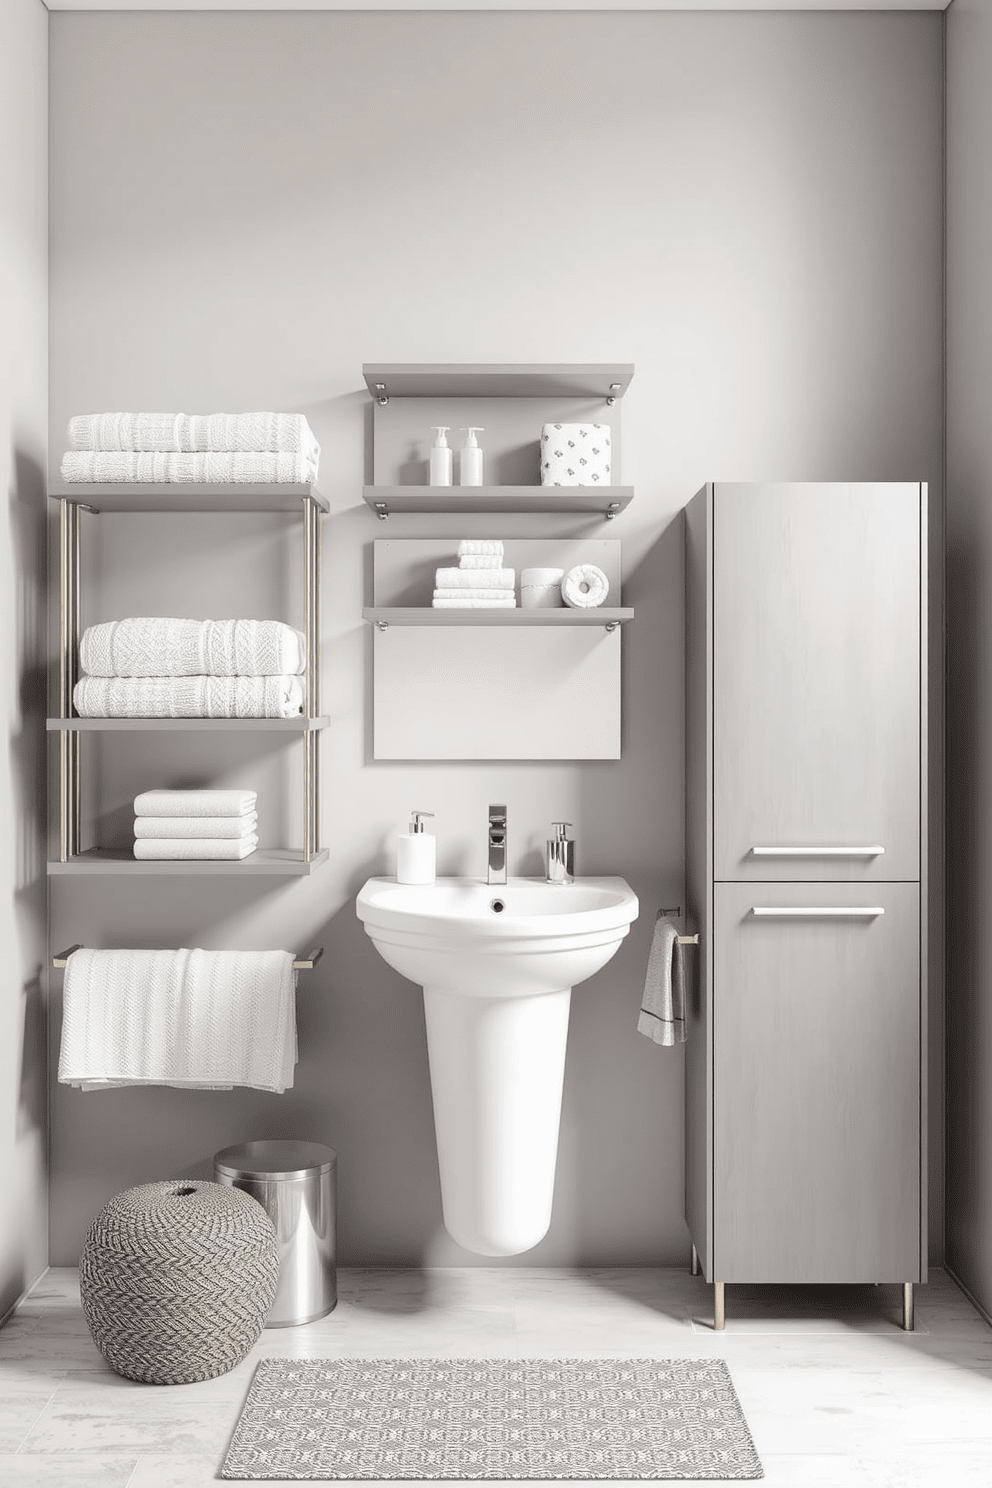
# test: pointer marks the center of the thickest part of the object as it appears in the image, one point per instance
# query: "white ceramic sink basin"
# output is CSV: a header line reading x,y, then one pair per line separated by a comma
x,y
497,964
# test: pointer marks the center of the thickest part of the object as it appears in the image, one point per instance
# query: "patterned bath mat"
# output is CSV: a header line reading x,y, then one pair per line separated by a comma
x,y
318,1419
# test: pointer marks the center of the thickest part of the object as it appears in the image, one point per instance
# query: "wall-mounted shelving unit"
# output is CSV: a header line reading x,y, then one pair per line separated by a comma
x,y
289,498
385,615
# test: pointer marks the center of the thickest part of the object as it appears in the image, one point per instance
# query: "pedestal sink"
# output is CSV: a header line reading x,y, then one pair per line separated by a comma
x,y
497,965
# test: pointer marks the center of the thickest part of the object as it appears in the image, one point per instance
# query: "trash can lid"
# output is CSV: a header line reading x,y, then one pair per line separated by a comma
x,y
286,1159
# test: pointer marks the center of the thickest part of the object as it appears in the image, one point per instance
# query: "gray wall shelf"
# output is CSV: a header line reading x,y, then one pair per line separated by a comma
x,y
427,615
607,501
497,379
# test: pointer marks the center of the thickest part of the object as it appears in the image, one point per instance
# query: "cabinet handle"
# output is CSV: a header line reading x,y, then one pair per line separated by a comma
x,y
872,851
817,912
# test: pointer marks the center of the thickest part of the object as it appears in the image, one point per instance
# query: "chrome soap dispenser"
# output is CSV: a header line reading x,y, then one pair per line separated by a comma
x,y
559,855
416,852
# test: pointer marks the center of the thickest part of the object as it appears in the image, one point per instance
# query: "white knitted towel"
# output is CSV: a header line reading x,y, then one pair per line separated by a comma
x,y
182,827
186,432
481,560
188,697
450,600
473,593
195,803
475,578
155,646
199,469
226,848
190,1018
487,547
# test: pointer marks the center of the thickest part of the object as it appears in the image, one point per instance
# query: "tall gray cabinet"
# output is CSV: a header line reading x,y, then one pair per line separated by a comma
x,y
806,872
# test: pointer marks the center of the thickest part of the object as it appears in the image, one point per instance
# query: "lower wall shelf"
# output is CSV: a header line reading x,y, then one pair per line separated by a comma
x,y
273,862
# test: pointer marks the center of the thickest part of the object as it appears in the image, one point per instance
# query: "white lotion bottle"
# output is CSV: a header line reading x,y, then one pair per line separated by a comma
x,y
440,457
416,852
470,465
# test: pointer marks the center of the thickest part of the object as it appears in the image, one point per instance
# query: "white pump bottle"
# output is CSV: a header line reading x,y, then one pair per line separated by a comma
x,y
416,852
470,465
440,457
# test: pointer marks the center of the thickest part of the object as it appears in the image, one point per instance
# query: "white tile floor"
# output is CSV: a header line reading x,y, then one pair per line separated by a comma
x,y
836,1395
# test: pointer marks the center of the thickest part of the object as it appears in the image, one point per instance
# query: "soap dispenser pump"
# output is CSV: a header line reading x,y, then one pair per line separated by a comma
x,y
560,855
440,457
416,852
470,465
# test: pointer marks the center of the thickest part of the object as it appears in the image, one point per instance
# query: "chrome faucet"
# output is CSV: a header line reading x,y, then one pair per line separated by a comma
x,y
497,845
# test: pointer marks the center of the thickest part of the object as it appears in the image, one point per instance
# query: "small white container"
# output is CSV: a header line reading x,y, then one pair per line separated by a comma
x,y
440,457
470,464
416,852
540,588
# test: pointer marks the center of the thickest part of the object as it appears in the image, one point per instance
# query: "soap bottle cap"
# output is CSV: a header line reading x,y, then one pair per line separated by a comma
x,y
560,828
416,820
440,443
473,429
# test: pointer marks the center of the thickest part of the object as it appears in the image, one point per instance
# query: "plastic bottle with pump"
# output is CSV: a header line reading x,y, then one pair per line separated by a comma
x,y
440,457
416,852
470,465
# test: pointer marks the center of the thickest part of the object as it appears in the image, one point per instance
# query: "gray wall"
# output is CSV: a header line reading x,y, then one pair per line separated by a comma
x,y
246,208
23,456
969,619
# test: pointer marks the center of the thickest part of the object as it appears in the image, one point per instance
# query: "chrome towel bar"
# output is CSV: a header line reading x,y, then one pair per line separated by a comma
x,y
304,963
677,912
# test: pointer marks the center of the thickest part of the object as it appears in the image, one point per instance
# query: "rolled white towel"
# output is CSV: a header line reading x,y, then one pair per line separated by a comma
x,y
157,646
480,560
193,432
480,547
182,803
467,602
176,827
585,586
237,468
475,578
195,847
473,593
188,697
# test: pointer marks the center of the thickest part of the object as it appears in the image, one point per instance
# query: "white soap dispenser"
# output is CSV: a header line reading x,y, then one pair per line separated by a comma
x,y
470,465
440,457
416,852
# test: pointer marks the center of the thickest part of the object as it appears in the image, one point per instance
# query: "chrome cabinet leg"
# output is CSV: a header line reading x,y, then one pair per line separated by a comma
x,y
694,1268
908,1320
719,1314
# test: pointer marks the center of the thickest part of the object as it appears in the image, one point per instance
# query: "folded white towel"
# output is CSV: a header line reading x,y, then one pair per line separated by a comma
x,y
188,697
156,646
585,586
199,469
480,546
481,560
473,593
182,803
227,848
190,432
662,1014
191,1018
448,600
475,578
181,827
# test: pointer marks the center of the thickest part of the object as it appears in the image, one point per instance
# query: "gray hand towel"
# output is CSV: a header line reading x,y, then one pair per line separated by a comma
x,y
662,1015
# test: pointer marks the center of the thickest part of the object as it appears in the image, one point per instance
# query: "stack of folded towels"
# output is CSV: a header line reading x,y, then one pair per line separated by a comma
x,y
479,582
195,824
192,447
156,667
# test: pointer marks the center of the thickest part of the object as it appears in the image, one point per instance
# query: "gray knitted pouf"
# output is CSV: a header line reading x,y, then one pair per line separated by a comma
x,y
176,1279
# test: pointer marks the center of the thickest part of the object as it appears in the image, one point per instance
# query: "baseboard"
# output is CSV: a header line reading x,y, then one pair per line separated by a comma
x,y
972,1299
22,1298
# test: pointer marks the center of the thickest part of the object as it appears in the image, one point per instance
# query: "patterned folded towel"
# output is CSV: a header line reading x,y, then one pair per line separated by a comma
x,y
188,697
155,646
227,848
184,827
136,466
184,803
184,433
475,578
189,1018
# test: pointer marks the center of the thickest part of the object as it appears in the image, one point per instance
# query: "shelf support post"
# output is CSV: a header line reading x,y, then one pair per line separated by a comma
x,y
311,743
68,669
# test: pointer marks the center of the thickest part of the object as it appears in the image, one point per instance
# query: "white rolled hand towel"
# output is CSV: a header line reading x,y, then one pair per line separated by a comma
x,y
195,803
188,697
475,578
475,547
176,827
585,586
168,848
184,433
159,646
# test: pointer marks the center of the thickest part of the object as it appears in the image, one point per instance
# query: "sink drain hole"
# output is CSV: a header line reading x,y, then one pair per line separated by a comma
x,y
497,905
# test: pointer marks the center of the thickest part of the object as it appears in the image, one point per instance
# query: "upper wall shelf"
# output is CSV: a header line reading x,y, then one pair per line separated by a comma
x,y
598,500
497,380
176,496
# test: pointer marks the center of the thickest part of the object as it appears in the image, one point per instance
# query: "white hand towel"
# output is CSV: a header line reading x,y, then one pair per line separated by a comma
x,y
480,546
575,455
176,827
662,1015
191,1018
474,603
158,646
481,560
584,587
473,594
236,468
188,697
225,848
191,432
478,578
183,803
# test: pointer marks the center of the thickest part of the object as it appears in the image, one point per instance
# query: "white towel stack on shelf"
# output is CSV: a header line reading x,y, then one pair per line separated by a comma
x,y
195,824
238,448
479,582
158,667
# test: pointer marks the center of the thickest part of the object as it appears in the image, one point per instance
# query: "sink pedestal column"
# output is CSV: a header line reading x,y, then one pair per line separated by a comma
x,y
497,1066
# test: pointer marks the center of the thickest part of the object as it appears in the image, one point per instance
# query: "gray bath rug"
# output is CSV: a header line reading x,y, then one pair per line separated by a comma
x,y
317,1419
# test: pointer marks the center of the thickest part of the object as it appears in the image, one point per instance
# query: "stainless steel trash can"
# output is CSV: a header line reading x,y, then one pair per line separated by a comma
x,y
295,1184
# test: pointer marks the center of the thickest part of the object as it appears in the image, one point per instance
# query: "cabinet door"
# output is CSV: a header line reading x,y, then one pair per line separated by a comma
x,y
817,632
817,1083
